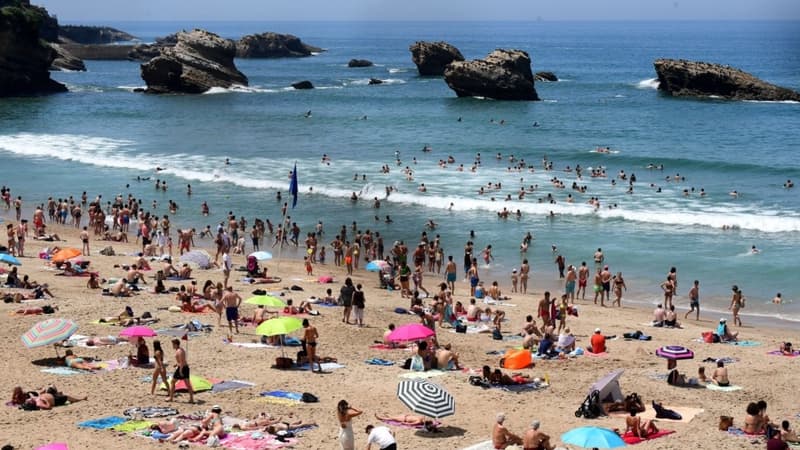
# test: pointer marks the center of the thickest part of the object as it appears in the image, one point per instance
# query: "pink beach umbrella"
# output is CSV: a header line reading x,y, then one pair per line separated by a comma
x,y
54,446
138,331
410,332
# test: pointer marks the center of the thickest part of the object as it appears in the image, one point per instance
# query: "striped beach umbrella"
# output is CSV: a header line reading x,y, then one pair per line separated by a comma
x,y
49,332
674,352
426,398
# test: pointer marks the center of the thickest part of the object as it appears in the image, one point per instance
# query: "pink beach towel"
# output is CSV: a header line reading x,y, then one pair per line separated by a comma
x,y
244,441
794,354
630,439
596,355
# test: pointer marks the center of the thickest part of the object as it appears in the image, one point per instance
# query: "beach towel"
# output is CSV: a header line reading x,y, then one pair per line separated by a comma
x,y
794,354
326,367
103,422
525,387
386,347
150,412
250,344
254,441
231,385
429,374
132,425
743,343
596,355
731,388
379,362
283,394
485,445
630,439
65,371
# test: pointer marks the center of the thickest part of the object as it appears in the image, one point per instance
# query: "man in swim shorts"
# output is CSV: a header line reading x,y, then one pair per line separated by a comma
x,y
694,300
231,301
569,287
181,371
450,273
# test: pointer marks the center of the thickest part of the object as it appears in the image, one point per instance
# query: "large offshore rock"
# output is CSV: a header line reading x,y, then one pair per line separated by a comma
x,y
83,34
359,63
65,60
305,84
24,55
199,61
502,75
431,58
545,76
681,78
273,45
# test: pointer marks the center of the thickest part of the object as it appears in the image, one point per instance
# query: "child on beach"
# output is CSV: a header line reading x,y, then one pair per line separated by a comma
x,y
514,280
309,267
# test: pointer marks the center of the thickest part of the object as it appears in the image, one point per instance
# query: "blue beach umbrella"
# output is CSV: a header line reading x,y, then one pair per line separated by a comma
x,y
593,437
8,259
376,265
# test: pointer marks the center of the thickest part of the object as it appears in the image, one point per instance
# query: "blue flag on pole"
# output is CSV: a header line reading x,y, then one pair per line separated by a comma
x,y
293,186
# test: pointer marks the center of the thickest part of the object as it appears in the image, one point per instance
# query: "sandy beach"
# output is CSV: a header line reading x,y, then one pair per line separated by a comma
x,y
368,387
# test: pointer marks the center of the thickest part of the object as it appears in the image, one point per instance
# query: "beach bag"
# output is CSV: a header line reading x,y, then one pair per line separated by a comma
x,y
309,398
497,335
283,363
417,364
708,337
476,380
461,328
725,422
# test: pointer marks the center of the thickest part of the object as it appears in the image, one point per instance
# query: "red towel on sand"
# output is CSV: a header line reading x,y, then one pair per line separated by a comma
x,y
630,439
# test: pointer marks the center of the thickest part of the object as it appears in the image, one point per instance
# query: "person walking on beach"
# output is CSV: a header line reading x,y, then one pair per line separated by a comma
x,y
231,301
737,303
160,370
569,286
85,241
181,371
561,264
382,437
345,414
359,304
227,265
524,270
450,273
583,278
694,300
310,336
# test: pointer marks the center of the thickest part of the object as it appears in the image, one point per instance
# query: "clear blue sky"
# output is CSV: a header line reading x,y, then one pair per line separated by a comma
x,y
74,11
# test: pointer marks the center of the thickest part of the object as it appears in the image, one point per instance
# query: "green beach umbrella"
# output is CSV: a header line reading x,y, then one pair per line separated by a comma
x,y
265,300
279,326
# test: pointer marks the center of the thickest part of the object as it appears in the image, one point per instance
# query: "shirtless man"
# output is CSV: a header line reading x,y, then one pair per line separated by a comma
x,y
524,269
501,437
544,309
181,371
447,359
85,241
310,336
720,375
605,279
133,276
185,238
694,300
535,439
569,287
473,312
450,273
231,301
583,278
599,258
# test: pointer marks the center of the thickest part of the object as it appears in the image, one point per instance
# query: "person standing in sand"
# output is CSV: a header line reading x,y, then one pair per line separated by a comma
x,y
583,278
501,437
569,286
227,265
737,303
669,289
85,240
310,336
694,300
345,414
450,273
524,270
605,279
160,370
181,372
231,301
619,285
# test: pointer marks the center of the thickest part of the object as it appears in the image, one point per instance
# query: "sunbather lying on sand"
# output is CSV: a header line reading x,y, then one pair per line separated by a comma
x,y
407,419
289,427
499,378
78,363
260,421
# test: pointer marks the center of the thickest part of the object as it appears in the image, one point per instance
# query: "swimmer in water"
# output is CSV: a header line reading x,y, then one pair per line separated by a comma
x,y
789,184
753,249
227,161
734,194
535,124
307,114
778,299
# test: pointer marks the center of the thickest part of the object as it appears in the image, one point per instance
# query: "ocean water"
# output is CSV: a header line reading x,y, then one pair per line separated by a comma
x,y
100,136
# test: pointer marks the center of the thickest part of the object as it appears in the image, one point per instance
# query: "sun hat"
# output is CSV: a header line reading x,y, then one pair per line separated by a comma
x,y
723,320
597,330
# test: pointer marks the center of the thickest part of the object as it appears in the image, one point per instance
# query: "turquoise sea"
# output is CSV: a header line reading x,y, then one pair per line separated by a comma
x,y
100,136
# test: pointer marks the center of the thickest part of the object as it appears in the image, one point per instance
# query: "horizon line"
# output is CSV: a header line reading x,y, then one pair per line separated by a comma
x,y
438,20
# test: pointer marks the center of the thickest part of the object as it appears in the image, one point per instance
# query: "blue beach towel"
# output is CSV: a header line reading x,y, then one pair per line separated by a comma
x,y
65,371
379,362
744,343
103,422
291,342
159,435
283,394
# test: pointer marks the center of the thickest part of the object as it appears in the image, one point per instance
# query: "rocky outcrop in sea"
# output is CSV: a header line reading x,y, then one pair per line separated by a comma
x,y
65,60
273,45
305,84
681,78
25,57
502,75
545,76
83,34
431,58
199,61
359,63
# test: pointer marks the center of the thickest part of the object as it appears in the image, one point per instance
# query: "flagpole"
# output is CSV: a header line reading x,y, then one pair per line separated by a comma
x,y
293,192
283,235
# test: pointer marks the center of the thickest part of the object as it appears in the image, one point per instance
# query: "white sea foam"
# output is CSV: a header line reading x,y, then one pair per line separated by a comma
x,y
398,70
131,88
650,83
785,102
83,88
365,81
242,89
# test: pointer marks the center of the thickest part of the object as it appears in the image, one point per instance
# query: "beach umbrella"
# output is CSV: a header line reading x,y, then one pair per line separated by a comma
x,y
261,256
376,265
8,259
279,326
138,331
410,332
426,398
49,332
592,437
199,257
674,352
65,254
608,386
265,300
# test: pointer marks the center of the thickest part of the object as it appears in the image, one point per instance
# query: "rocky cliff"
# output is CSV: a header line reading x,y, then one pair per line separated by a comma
x,y
24,57
681,78
273,45
65,60
82,34
431,58
502,75
199,61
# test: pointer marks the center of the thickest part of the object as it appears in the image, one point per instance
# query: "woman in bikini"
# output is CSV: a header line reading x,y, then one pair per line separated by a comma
x,y
633,425
669,289
212,425
737,303
160,370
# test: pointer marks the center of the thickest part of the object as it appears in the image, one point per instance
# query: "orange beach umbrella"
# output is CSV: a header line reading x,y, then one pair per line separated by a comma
x,y
65,254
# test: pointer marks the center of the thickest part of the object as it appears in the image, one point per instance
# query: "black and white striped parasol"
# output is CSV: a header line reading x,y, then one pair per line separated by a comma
x,y
426,398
